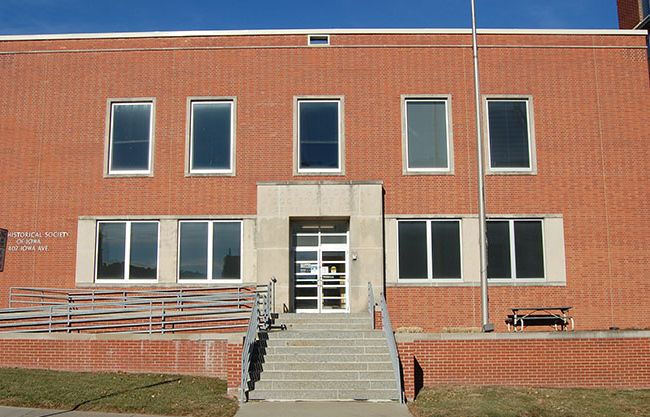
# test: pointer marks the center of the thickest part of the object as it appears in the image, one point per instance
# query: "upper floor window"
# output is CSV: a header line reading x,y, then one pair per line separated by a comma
x,y
127,250
210,250
130,139
211,137
515,249
319,136
429,249
427,137
509,135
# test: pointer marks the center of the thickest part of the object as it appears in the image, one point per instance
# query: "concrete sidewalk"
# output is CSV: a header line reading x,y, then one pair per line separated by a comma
x,y
251,409
322,409
42,412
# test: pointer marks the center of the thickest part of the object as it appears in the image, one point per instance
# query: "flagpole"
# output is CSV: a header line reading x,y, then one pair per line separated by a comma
x,y
485,314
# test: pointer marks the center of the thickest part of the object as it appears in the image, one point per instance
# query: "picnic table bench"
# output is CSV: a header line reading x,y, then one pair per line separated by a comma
x,y
558,317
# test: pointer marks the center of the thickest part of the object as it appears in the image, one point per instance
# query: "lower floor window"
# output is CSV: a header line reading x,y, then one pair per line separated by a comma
x,y
209,250
127,250
429,249
515,249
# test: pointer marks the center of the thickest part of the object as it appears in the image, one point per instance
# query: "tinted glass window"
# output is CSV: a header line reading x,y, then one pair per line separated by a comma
x,y
508,121
110,250
211,135
130,136
498,237
445,245
143,263
529,252
427,134
319,135
193,263
412,250
226,246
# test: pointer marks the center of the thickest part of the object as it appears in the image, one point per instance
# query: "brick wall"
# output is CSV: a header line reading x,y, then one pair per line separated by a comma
x,y
191,355
629,13
565,360
591,106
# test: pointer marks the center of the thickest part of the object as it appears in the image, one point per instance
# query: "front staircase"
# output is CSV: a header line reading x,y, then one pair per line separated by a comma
x,y
324,357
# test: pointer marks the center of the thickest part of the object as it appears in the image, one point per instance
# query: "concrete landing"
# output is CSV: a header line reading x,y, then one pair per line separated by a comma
x,y
323,409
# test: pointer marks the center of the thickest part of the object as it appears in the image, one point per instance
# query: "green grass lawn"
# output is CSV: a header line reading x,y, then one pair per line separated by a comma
x,y
127,393
462,401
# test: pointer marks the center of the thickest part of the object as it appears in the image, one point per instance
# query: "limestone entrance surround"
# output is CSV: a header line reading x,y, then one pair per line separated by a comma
x,y
360,202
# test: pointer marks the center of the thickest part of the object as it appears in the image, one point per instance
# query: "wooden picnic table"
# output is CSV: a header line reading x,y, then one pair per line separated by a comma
x,y
556,316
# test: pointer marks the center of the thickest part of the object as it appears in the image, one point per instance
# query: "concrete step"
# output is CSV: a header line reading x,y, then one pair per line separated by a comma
x,y
327,358
325,366
329,326
326,334
346,375
300,350
325,385
291,317
276,342
322,394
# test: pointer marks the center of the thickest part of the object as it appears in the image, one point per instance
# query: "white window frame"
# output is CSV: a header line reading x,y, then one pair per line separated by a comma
x,y
312,40
127,253
430,278
532,161
450,154
209,278
340,138
130,172
513,260
190,129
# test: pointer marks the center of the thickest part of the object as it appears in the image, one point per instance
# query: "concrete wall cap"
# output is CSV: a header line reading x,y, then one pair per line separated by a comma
x,y
597,334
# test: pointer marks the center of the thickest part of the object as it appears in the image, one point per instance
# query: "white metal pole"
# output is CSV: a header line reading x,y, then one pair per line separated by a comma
x,y
485,314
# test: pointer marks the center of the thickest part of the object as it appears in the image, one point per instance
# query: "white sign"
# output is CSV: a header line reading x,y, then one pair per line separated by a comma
x,y
33,241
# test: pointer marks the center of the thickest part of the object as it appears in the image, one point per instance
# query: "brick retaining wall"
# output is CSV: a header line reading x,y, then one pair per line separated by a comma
x,y
203,355
580,359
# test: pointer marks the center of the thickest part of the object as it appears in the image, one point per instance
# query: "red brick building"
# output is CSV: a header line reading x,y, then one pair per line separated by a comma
x,y
330,159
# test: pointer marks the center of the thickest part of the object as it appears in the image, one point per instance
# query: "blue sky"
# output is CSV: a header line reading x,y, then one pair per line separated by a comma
x,y
73,16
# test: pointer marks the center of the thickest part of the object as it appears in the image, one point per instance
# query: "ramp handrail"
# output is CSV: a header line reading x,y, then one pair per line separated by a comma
x,y
131,311
390,339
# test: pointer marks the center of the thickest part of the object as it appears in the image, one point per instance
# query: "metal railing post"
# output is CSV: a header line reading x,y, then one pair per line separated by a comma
x,y
162,318
273,281
371,305
247,348
150,316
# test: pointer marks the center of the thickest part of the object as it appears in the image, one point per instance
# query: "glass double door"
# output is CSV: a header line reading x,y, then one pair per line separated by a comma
x,y
320,267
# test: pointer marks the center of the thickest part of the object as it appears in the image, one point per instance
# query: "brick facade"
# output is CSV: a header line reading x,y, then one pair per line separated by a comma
x,y
591,102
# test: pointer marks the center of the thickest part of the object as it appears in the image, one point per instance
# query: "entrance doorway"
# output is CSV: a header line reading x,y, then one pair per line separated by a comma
x,y
319,258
